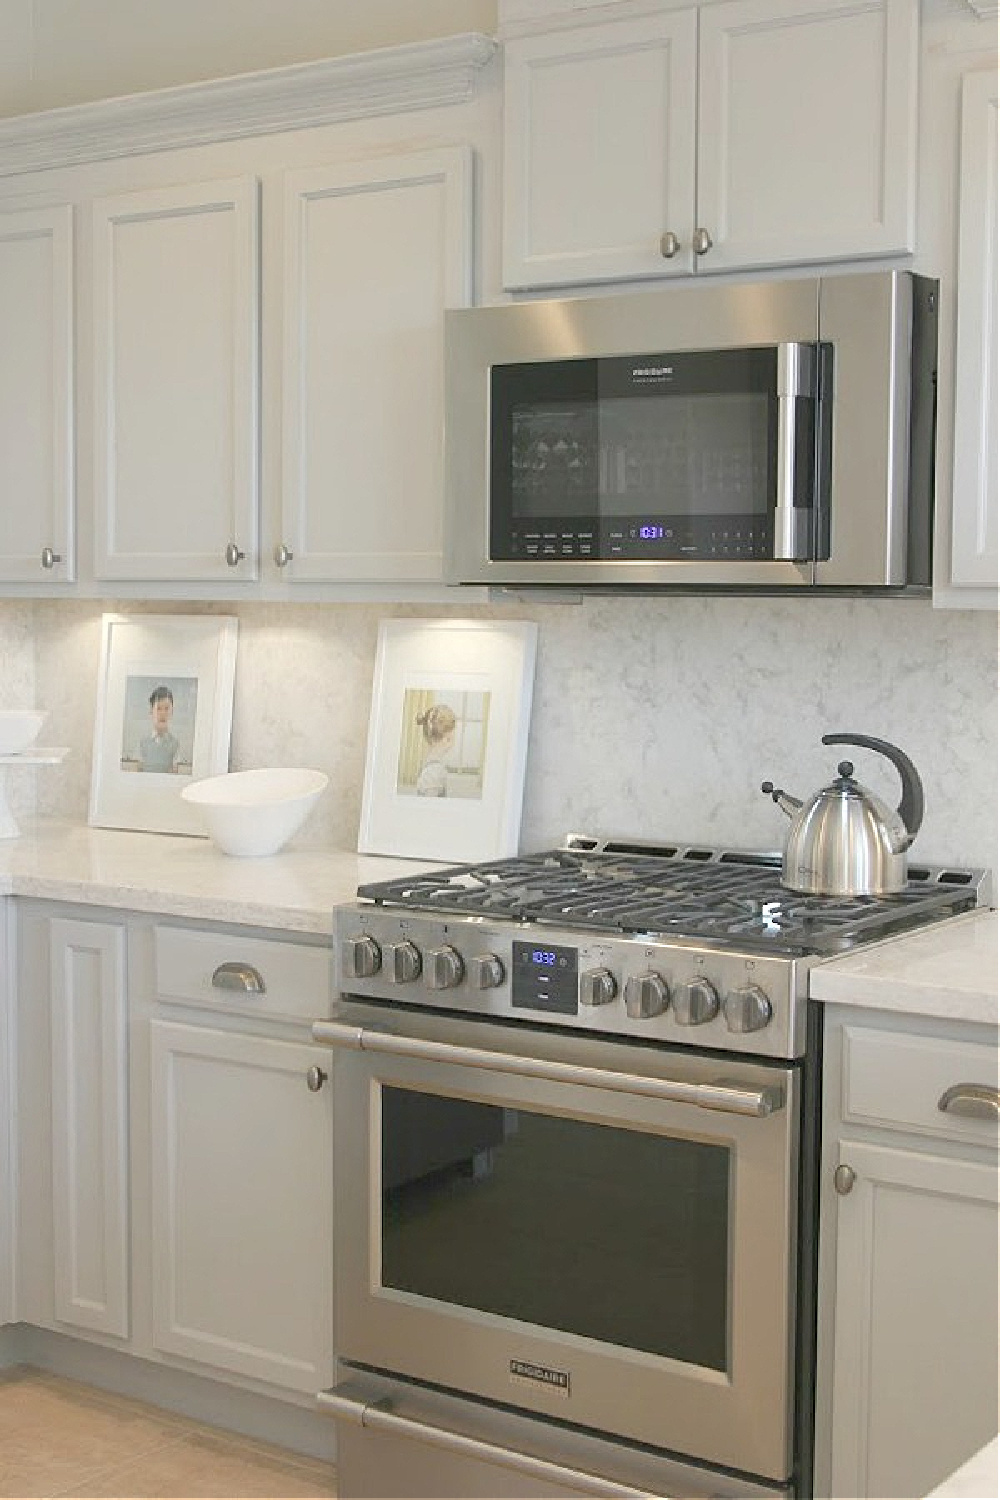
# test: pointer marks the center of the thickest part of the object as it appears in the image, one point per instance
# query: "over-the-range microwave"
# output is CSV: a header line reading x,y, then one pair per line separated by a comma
x,y
767,434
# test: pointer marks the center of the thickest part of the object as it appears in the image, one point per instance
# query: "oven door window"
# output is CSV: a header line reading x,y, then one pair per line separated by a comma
x,y
614,1234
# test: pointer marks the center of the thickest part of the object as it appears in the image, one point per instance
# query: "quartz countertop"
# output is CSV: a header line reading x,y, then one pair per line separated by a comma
x,y
947,970
174,875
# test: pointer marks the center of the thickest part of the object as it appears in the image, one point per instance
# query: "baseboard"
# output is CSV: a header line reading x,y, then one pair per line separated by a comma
x,y
267,1420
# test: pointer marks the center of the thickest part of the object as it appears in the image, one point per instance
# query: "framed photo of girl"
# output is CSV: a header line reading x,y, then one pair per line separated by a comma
x,y
448,739
164,717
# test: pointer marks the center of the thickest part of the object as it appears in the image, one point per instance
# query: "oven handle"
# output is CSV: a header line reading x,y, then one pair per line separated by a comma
x,y
378,1416
726,1097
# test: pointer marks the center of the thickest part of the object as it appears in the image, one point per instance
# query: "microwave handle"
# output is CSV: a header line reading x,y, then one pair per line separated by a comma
x,y
378,1416
793,524
722,1095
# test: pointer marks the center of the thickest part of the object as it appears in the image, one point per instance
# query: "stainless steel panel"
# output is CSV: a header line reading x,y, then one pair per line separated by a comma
x,y
740,1416
394,1439
680,318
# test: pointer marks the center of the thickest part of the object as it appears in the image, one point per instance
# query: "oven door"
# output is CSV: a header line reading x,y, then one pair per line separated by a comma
x,y
596,1232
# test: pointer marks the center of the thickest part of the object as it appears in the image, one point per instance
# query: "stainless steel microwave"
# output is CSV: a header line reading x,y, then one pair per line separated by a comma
x,y
769,434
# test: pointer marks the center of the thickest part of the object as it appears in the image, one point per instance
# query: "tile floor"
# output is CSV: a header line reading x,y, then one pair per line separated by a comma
x,y
59,1438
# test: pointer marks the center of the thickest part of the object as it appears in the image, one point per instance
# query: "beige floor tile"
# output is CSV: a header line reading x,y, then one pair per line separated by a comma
x,y
60,1438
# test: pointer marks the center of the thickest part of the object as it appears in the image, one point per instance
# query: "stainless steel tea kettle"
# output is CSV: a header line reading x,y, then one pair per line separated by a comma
x,y
843,840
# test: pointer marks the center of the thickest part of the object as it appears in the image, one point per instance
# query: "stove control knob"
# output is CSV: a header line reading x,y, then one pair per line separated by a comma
x,y
402,962
746,1008
696,1002
646,995
361,957
443,968
486,971
597,987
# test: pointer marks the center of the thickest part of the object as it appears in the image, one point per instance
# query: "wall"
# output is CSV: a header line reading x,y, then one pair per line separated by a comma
x,y
653,718
57,52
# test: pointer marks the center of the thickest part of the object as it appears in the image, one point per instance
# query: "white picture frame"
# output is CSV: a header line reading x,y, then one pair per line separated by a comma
x,y
448,739
163,719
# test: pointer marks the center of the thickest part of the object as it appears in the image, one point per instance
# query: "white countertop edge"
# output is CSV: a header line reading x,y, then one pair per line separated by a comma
x,y
947,970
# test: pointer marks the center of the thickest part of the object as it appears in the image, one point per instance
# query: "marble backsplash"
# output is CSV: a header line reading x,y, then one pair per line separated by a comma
x,y
653,718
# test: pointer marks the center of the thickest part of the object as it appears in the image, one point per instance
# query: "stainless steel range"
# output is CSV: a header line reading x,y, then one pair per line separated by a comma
x,y
576,1116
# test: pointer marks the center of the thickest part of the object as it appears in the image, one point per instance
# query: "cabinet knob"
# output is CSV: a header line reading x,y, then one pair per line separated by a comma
x,y
237,976
282,555
702,242
669,244
50,558
233,555
844,1179
315,1079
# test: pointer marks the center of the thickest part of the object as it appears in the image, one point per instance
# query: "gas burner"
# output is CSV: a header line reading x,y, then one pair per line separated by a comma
x,y
720,897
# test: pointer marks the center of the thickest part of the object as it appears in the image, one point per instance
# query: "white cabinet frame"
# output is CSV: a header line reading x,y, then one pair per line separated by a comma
x,y
349,375
90,1194
176,382
37,536
974,521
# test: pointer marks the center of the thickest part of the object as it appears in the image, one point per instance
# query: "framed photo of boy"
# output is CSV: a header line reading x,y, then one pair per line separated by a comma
x,y
448,739
164,717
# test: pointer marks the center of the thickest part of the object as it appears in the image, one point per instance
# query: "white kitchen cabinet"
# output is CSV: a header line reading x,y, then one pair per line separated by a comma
x,y
36,396
72,1148
711,138
374,252
241,1157
175,400
907,1385
90,1202
8,1093
974,518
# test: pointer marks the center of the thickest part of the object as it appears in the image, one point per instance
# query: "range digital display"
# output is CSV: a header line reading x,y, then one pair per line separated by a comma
x,y
544,977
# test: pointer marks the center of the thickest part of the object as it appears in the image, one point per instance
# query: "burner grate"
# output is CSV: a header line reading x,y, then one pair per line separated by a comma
x,y
713,896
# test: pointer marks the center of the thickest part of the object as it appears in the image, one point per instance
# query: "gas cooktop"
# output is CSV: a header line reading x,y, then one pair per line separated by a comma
x,y
716,896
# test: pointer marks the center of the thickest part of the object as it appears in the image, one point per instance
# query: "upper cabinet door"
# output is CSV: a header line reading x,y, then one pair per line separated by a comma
x,y
599,152
176,295
36,396
374,253
806,129
974,490
711,138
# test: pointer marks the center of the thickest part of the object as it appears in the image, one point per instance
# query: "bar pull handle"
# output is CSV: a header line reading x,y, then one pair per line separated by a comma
x,y
238,976
378,1416
974,1101
722,1095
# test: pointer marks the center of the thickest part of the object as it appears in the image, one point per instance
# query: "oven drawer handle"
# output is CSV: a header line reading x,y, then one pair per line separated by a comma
x,y
378,1416
729,1098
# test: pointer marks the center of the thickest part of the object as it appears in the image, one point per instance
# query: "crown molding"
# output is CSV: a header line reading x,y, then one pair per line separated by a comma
x,y
418,75
986,10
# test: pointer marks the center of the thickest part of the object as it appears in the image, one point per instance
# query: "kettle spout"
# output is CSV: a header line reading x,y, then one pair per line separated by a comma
x,y
789,805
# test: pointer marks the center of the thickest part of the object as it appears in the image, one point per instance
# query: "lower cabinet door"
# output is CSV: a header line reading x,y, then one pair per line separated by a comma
x,y
242,1148
915,1347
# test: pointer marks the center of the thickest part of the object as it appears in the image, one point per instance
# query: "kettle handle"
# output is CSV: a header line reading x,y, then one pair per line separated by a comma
x,y
911,807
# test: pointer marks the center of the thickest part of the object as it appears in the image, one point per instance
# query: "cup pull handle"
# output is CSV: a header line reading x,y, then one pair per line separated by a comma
x,y
974,1101
237,976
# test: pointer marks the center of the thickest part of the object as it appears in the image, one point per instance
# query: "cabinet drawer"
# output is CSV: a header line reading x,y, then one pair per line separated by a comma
x,y
890,1079
243,975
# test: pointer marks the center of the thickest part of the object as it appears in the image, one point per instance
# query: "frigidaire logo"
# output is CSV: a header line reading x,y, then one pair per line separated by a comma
x,y
556,1381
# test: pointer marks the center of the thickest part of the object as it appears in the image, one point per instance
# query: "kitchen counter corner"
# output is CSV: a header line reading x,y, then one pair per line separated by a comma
x,y
947,971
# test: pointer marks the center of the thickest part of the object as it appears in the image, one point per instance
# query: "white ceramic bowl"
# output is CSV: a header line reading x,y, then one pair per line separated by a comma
x,y
256,812
19,728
